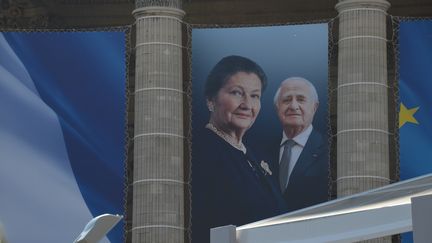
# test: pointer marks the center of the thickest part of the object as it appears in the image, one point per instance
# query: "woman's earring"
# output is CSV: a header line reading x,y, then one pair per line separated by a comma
x,y
211,107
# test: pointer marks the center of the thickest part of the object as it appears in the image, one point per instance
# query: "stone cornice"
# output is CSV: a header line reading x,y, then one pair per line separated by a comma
x,y
23,14
105,13
92,2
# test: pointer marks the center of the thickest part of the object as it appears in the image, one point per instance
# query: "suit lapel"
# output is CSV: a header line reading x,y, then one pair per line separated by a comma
x,y
308,156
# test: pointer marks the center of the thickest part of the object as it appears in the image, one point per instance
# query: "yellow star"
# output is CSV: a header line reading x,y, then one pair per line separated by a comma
x,y
407,115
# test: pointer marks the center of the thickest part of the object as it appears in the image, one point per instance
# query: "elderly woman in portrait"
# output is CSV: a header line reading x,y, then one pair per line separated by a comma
x,y
230,185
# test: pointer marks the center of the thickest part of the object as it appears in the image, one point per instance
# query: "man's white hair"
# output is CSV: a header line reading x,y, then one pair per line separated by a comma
x,y
312,89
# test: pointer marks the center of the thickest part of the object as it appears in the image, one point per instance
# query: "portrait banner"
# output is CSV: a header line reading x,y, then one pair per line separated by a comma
x,y
259,123
415,75
62,133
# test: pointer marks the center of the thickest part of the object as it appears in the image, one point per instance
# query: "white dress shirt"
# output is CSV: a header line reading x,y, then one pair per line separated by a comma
x,y
300,141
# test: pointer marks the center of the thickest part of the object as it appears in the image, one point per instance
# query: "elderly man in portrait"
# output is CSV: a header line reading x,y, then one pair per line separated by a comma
x,y
300,157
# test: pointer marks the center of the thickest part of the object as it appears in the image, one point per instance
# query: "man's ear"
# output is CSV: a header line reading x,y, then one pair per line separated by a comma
x,y
316,106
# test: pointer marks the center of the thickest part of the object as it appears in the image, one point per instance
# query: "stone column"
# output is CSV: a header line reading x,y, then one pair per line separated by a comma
x,y
158,214
362,123
362,99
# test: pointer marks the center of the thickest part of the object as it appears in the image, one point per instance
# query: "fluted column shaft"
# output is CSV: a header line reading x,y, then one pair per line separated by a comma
x,y
362,123
158,179
362,100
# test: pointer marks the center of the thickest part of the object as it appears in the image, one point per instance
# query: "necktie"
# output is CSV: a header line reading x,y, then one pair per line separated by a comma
x,y
284,164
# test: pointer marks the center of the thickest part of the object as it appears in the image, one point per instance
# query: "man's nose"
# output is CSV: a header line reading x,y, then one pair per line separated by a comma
x,y
294,105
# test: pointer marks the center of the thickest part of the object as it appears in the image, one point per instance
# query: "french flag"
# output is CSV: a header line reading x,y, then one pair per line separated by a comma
x,y
62,133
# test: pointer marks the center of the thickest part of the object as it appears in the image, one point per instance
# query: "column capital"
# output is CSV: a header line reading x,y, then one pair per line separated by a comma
x,y
161,3
155,10
355,4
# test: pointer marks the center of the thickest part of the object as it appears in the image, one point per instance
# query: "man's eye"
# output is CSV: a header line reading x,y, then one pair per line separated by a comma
x,y
256,96
301,99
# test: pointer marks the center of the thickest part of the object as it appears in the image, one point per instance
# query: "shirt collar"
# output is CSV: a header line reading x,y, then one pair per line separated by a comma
x,y
301,138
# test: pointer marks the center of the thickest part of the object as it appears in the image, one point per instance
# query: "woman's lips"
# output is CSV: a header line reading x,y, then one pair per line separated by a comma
x,y
243,115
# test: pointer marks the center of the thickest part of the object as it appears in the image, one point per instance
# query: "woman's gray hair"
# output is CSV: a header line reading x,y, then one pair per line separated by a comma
x,y
312,89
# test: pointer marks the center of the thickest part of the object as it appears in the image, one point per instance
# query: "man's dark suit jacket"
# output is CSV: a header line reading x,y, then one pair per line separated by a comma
x,y
308,182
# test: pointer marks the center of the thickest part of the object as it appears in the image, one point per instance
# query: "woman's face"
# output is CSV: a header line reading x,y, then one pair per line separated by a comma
x,y
237,104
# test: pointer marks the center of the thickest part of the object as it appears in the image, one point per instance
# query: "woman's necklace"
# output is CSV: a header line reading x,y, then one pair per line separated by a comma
x,y
240,146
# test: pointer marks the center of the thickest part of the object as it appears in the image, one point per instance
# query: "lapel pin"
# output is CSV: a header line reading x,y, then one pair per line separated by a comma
x,y
266,167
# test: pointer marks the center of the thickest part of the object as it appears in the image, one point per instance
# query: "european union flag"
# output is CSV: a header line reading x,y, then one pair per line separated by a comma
x,y
415,84
62,106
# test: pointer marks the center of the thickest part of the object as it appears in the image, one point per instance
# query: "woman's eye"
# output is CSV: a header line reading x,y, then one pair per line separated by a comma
x,y
237,93
256,96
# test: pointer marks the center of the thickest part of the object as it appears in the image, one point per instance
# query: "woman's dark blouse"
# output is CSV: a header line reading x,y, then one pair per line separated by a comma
x,y
226,189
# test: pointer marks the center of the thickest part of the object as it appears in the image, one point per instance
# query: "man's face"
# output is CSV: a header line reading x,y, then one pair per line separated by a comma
x,y
296,106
